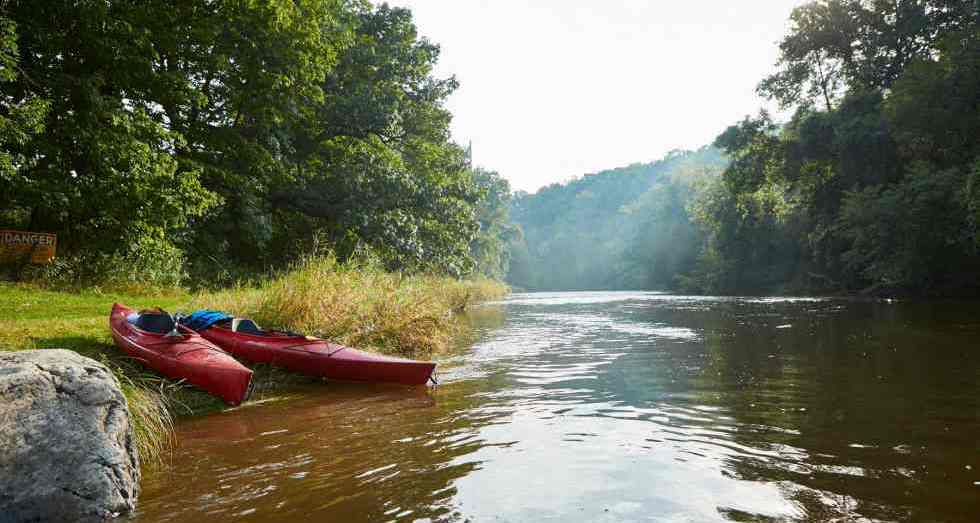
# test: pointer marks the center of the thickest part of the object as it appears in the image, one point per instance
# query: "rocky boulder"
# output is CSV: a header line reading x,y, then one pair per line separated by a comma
x,y
66,442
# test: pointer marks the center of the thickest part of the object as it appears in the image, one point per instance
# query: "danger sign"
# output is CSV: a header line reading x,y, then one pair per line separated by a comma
x,y
39,246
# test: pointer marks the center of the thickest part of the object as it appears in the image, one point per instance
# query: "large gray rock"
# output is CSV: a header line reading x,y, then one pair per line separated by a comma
x,y
66,443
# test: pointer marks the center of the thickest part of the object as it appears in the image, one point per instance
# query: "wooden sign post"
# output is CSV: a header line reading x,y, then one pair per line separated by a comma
x,y
40,246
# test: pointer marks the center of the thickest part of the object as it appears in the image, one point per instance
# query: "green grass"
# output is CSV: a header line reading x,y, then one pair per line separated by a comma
x,y
359,305
35,318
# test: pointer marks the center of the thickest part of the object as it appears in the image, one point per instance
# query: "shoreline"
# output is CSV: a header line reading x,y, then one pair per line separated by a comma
x,y
413,316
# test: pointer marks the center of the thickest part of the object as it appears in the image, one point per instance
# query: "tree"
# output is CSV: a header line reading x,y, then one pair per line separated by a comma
x,y
377,166
911,235
810,65
243,132
21,118
667,240
605,230
241,82
490,248
831,188
935,106
858,45
101,173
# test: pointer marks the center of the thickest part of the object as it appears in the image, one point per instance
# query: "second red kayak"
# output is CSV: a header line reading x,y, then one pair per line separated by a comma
x,y
314,356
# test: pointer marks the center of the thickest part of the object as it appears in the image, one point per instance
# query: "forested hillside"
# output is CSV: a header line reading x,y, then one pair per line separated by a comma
x,y
610,230
873,185
158,138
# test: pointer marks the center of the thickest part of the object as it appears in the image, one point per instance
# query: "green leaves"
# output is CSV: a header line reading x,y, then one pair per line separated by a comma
x,y
876,190
910,235
934,105
754,149
375,167
624,228
247,130
835,45
22,115
490,248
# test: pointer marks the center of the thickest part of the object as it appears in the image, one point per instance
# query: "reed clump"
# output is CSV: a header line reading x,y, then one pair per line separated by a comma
x,y
359,304
153,425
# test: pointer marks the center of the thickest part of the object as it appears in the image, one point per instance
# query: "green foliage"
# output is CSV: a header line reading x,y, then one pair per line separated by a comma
x,y
102,174
835,45
21,117
159,138
147,262
241,81
872,185
594,232
911,235
490,248
376,166
749,239
520,270
933,106
236,135
876,191
754,150
971,200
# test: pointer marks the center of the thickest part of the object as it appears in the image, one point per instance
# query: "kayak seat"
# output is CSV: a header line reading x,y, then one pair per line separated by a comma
x,y
246,326
155,322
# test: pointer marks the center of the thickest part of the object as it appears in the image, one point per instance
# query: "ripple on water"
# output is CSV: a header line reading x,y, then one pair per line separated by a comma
x,y
579,298
617,407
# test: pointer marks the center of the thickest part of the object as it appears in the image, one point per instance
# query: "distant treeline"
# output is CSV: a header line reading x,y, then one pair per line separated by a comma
x,y
625,228
222,138
873,185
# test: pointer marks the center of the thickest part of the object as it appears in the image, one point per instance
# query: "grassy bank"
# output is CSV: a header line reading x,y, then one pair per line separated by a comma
x,y
358,305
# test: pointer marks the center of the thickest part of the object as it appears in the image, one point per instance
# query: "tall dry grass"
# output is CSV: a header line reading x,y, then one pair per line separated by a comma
x,y
359,304
153,425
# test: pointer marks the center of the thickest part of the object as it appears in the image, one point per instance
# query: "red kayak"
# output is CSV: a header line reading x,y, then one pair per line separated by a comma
x,y
179,353
314,356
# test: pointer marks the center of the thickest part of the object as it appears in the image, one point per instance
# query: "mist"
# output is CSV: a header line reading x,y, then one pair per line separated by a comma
x,y
625,228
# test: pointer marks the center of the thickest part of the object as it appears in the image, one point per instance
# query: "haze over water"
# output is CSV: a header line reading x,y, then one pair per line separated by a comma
x,y
620,407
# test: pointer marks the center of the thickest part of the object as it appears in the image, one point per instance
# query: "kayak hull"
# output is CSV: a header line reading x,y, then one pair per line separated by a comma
x,y
186,357
317,357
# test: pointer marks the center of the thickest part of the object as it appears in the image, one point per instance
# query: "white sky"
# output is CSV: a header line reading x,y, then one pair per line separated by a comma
x,y
553,89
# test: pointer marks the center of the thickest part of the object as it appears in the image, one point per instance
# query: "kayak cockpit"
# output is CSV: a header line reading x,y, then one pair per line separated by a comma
x,y
247,326
156,321
203,320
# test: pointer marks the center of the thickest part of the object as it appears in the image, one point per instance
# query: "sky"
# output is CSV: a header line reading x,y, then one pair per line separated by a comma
x,y
554,89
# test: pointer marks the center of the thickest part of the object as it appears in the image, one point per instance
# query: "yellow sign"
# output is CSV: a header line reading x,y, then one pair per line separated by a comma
x,y
18,244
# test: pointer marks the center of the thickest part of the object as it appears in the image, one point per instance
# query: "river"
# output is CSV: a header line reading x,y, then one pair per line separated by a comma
x,y
615,406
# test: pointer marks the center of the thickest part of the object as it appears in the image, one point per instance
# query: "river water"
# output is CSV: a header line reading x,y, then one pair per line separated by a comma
x,y
620,407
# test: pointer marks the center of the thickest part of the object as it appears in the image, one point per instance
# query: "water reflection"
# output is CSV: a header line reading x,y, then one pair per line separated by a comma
x,y
354,455
621,407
